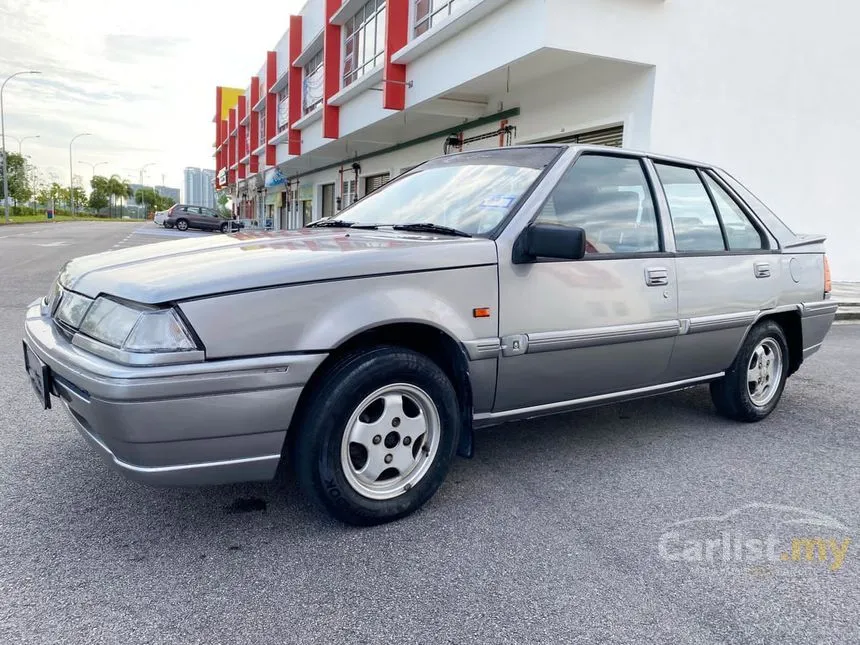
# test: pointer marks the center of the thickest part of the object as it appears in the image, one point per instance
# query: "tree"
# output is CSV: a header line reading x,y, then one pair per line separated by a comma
x,y
152,200
79,196
52,193
222,200
100,195
19,187
120,190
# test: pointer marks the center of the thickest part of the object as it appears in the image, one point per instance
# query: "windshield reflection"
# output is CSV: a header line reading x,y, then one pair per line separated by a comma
x,y
473,198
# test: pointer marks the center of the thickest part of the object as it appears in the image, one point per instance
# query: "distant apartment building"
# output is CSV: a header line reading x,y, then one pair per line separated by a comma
x,y
199,187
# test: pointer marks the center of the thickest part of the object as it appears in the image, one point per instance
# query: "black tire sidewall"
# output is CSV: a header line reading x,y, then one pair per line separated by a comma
x,y
747,409
318,447
223,228
180,223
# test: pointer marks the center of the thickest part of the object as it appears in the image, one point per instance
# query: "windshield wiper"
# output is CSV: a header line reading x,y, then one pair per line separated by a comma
x,y
428,227
334,223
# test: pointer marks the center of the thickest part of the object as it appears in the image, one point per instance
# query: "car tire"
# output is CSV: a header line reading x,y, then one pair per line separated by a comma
x,y
368,411
168,225
224,227
182,225
753,385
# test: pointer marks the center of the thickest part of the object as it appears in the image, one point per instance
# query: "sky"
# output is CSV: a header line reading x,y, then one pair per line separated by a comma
x,y
139,76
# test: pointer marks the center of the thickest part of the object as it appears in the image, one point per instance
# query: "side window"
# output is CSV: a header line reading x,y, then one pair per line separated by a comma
x,y
740,233
694,220
610,199
193,210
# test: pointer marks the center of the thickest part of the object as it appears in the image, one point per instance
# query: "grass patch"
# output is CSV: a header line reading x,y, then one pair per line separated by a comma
x,y
35,219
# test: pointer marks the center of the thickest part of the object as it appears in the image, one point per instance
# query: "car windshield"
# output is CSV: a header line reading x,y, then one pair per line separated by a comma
x,y
472,192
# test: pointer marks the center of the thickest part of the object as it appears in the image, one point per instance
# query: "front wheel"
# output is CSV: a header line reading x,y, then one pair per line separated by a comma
x,y
753,385
377,437
224,227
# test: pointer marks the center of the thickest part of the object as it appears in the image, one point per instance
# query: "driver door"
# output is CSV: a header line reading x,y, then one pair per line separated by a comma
x,y
573,329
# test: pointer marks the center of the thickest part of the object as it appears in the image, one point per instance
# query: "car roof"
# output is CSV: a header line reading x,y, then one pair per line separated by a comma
x,y
602,149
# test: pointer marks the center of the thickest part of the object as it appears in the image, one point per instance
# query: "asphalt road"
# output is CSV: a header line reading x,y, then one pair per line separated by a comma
x,y
551,534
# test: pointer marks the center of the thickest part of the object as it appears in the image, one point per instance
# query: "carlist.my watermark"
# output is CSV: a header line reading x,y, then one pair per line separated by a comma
x,y
756,534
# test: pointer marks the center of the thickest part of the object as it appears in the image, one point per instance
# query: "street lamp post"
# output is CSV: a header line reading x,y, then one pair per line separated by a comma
x,y
142,170
3,138
93,166
22,140
71,170
20,148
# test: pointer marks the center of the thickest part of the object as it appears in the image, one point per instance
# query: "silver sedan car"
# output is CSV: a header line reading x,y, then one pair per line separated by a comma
x,y
475,289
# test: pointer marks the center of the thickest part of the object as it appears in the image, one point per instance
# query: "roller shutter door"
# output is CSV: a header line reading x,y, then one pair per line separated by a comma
x,y
375,182
612,137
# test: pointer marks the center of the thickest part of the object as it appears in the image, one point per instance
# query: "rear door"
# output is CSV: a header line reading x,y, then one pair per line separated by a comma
x,y
198,218
726,270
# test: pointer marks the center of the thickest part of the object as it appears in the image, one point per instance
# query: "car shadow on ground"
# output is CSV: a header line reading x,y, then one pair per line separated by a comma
x,y
231,515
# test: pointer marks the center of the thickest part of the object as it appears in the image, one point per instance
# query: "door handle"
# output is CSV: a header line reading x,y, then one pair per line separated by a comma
x,y
762,269
656,277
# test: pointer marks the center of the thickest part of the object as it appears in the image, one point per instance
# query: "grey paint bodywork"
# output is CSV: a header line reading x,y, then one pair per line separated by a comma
x,y
269,309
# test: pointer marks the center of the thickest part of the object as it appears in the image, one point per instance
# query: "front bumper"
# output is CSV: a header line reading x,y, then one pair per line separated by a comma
x,y
203,423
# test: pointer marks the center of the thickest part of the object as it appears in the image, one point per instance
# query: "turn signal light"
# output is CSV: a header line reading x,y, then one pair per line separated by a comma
x,y
481,312
826,275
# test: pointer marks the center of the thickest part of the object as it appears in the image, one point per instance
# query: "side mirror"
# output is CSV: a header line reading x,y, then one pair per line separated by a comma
x,y
549,241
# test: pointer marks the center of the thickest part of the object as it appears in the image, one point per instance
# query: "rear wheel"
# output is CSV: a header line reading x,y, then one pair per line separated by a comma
x,y
753,385
182,224
377,437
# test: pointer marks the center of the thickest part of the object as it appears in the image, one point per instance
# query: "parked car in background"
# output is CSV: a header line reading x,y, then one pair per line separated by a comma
x,y
160,217
477,288
184,216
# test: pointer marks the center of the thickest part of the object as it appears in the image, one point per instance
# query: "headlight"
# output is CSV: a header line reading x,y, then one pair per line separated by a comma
x,y
136,329
53,294
72,309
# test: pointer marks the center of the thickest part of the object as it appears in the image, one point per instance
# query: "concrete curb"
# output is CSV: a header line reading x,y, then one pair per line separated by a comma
x,y
848,311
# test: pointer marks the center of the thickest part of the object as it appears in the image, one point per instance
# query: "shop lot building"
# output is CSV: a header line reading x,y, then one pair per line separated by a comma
x,y
357,92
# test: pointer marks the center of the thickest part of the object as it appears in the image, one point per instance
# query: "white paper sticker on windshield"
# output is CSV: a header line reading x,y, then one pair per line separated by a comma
x,y
498,201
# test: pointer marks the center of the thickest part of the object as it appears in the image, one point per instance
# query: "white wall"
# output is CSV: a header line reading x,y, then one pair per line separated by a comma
x,y
313,20
765,89
592,95
516,29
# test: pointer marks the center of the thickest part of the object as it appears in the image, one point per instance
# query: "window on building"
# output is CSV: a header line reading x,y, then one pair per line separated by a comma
x,y
429,12
283,109
248,149
364,41
312,95
694,220
348,193
262,129
610,199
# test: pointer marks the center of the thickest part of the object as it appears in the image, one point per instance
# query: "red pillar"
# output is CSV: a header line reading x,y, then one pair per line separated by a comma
x,y
271,106
396,36
231,147
331,71
243,143
254,124
294,145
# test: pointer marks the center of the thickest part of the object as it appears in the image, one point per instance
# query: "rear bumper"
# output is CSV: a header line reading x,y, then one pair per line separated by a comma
x,y
816,319
204,423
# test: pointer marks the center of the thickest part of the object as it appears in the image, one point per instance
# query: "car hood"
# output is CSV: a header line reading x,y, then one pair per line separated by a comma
x,y
190,268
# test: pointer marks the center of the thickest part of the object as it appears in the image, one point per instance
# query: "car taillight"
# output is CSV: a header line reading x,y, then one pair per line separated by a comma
x,y
827,284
